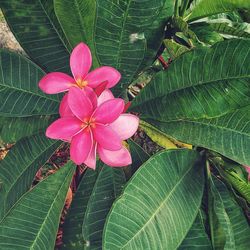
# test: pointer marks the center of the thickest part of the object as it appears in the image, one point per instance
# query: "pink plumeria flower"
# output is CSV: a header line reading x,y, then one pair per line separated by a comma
x,y
64,109
93,127
80,64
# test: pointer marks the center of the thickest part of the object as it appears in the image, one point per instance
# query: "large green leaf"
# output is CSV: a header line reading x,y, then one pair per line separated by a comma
x,y
196,237
85,220
203,83
14,128
77,19
19,167
129,33
32,222
19,92
203,8
199,102
155,210
36,28
231,217
225,134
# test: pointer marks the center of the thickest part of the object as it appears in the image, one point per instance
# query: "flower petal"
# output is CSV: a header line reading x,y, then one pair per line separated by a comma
x,y
105,96
106,137
64,109
109,111
80,146
80,61
119,158
125,125
79,103
91,159
100,88
64,128
56,82
103,74
91,95
126,107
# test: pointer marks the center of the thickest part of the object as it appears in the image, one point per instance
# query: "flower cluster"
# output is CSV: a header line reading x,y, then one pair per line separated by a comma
x,y
91,119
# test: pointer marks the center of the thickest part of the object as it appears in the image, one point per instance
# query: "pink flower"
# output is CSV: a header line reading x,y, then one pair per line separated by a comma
x,y
94,125
80,64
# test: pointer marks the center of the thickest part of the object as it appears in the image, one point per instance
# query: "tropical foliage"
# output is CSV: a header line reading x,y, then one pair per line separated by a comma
x,y
193,58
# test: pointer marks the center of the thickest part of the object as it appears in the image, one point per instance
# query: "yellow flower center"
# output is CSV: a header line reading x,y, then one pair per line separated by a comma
x,y
81,83
88,123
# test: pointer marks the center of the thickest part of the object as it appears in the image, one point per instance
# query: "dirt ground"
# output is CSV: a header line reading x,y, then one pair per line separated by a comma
x,y
7,39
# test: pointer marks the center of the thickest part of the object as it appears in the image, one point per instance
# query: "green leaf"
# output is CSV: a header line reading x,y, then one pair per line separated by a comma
x,y
206,33
203,83
232,137
157,136
196,237
182,26
138,154
174,49
204,100
231,28
19,168
86,217
128,35
32,223
77,19
203,8
15,128
233,175
155,210
184,6
19,90
37,30
231,217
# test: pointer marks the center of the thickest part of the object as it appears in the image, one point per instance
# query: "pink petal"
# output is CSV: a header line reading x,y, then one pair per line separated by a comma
x,y
119,158
56,82
79,103
64,109
102,74
106,137
80,146
91,95
109,111
64,128
105,96
127,105
101,87
91,159
80,61
125,125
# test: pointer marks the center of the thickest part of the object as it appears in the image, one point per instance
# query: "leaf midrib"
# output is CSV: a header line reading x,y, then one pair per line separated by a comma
x,y
16,203
50,210
29,164
206,124
118,59
91,197
200,83
227,218
26,91
161,205
81,19
52,24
